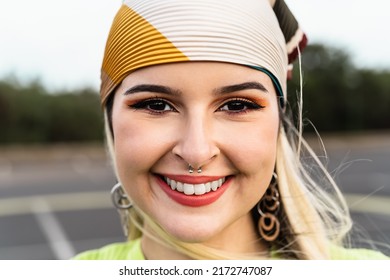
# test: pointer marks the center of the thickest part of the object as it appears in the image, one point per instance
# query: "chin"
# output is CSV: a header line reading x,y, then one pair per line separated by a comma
x,y
189,237
191,234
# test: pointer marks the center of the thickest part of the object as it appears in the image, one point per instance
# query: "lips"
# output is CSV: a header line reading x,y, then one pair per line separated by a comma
x,y
194,191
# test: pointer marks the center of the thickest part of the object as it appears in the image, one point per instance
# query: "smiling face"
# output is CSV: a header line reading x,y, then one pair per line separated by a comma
x,y
218,116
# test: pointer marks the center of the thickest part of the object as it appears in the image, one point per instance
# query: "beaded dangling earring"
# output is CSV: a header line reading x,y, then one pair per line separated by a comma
x,y
268,207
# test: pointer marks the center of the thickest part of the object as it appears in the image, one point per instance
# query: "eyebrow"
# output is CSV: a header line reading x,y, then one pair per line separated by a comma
x,y
171,91
240,87
152,88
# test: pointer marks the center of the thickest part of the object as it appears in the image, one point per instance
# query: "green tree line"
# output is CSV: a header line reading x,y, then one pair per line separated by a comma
x,y
31,114
338,96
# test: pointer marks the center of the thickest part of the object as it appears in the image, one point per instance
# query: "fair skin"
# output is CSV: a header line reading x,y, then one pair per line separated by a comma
x,y
218,116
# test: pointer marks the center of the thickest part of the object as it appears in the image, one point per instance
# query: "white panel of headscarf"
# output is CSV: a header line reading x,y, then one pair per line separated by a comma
x,y
245,32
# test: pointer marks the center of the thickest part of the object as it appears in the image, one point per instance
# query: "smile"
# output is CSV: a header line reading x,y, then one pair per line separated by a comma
x,y
194,189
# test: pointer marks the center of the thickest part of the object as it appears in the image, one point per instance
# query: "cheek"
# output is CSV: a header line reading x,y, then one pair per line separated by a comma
x,y
137,144
137,147
253,147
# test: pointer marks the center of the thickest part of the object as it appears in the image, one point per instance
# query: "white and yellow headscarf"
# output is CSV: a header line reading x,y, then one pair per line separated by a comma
x,y
262,34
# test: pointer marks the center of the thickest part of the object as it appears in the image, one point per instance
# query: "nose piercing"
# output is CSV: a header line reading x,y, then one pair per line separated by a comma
x,y
191,169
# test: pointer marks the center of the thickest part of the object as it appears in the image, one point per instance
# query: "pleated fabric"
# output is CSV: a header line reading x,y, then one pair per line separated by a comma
x,y
262,34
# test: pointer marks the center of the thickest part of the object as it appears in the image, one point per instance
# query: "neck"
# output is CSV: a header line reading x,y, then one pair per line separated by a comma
x,y
242,232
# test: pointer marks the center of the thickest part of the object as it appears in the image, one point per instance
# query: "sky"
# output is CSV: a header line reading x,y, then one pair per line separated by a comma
x,y
62,42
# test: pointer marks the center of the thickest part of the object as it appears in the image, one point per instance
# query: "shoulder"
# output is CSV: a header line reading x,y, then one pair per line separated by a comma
x,y
340,253
130,250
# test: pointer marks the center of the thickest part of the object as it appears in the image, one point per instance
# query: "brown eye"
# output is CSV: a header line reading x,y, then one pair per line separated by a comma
x,y
153,105
235,106
158,106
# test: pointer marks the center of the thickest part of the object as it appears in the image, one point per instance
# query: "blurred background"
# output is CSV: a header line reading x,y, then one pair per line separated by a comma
x,y
55,177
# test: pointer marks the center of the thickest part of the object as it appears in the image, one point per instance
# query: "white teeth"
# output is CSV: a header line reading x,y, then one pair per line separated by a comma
x,y
191,189
199,189
173,184
179,187
208,187
214,185
188,189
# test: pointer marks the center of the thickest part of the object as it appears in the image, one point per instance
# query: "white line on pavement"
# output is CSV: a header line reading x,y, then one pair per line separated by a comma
x,y
369,204
52,230
57,202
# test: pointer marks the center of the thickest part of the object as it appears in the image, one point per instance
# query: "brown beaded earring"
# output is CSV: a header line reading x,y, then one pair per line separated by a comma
x,y
268,207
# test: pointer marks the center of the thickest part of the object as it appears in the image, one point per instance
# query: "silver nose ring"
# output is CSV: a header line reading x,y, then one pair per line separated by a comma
x,y
191,169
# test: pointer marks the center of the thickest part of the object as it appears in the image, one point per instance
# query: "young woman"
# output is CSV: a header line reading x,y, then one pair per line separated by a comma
x,y
194,94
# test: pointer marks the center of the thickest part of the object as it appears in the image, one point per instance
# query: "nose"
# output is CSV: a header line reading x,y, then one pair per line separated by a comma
x,y
196,146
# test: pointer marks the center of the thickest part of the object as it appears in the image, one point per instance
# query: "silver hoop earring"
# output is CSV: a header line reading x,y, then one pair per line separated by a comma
x,y
269,225
123,205
119,198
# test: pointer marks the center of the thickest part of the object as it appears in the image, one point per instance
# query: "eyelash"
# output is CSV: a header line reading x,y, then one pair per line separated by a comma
x,y
145,105
250,105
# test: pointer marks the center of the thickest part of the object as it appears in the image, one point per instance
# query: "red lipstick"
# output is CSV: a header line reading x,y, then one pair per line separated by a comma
x,y
194,200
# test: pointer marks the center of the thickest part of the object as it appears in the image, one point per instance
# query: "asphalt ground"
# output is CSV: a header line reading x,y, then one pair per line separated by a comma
x,y
55,202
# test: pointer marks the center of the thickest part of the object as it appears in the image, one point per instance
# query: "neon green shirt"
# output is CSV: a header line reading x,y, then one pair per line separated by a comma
x,y
132,251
